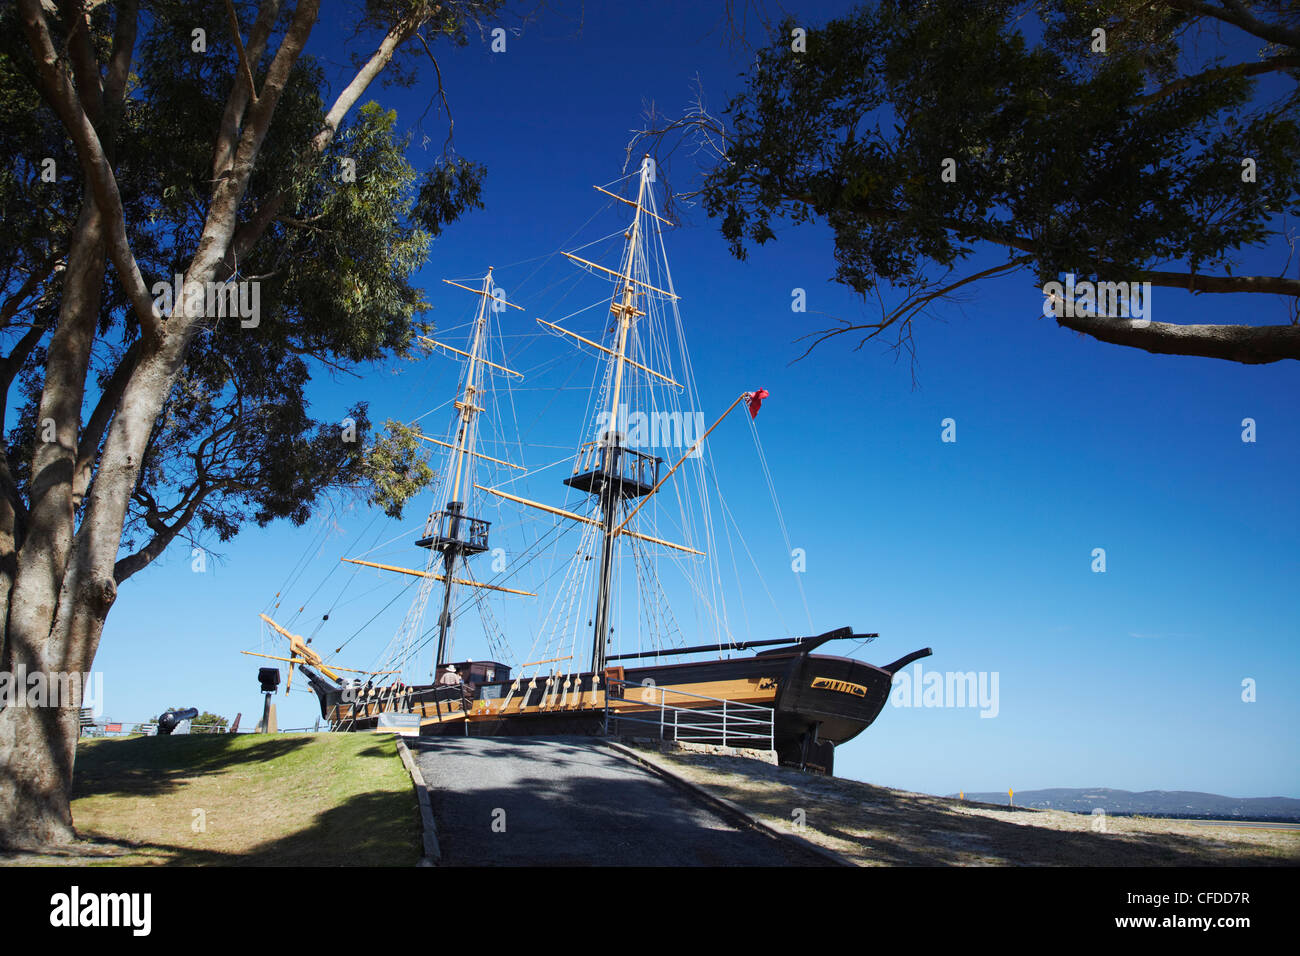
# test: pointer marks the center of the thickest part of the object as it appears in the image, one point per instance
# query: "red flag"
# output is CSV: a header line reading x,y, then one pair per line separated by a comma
x,y
756,401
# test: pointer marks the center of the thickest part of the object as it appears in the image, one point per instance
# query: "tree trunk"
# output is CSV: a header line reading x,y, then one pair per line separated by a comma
x,y
63,572
37,741
37,745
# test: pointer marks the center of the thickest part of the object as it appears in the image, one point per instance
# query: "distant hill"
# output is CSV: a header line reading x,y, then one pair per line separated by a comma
x,y
1151,803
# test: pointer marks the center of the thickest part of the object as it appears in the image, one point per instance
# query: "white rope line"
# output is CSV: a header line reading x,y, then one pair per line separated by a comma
x,y
776,504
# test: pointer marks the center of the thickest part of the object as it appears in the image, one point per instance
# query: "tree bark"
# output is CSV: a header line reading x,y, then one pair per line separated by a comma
x,y
1248,344
37,743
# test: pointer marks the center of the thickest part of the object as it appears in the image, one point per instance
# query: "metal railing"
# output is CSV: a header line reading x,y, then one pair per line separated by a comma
x,y
714,720
148,728
104,728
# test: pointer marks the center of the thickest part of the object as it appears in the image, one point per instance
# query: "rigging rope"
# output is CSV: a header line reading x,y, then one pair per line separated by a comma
x,y
776,504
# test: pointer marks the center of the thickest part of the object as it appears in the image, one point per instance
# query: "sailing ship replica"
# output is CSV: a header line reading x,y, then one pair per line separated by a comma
x,y
812,701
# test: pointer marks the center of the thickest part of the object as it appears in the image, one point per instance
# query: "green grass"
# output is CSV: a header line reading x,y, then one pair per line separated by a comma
x,y
247,799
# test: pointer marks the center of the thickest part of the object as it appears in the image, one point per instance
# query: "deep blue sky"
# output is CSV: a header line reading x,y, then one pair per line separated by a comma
x,y
980,549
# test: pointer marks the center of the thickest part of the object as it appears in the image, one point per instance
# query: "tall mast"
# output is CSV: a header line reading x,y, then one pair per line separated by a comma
x,y
612,442
607,468
452,535
451,531
468,409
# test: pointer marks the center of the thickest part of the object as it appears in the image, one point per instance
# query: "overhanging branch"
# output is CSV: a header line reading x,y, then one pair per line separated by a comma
x,y
1248,344
1271,65
902,314
1239,16
57,88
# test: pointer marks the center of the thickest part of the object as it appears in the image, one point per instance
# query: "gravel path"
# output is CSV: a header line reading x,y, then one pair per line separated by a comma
x,y
567,801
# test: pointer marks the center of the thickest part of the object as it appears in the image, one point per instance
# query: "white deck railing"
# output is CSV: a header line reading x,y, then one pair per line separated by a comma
x,y
707,720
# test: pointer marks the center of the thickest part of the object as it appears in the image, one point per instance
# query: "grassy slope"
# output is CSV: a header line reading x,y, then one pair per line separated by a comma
x,y
876,826
279,800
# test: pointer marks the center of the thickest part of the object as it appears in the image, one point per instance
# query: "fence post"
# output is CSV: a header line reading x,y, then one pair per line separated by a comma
x,y
724,722
661,714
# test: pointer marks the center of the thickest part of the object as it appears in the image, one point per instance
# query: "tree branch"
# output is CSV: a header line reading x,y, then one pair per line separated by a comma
x,y
39,274
1194,282
223,151
58,90
251,231
76,20
88,446
164,534
219,236
13,362
1239,16
1191,281
1271,65
119,69
441,92
913,305
233,18
1248,344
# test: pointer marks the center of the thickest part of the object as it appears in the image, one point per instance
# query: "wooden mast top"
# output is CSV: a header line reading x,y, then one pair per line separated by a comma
x,y
626,312
469,408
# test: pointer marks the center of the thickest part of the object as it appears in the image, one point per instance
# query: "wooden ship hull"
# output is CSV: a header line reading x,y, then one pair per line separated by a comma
x,y
816,702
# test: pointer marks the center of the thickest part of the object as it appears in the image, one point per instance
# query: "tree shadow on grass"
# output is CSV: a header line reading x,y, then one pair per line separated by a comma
x,y
368,829
376,829
133,797
150,766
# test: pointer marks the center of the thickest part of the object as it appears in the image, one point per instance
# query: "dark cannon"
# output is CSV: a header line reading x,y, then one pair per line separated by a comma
x,y
169,721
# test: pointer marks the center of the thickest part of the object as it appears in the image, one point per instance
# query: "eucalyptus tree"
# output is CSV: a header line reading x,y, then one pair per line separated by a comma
x,y
195,222
945,143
